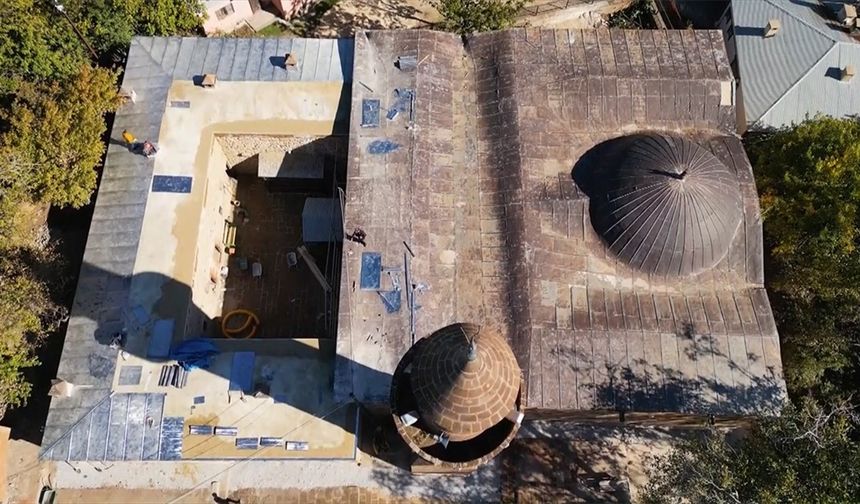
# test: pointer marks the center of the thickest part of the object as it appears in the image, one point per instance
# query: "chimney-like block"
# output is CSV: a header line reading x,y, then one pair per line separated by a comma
x,y
773,26
847,14
847,73
208,81
290,60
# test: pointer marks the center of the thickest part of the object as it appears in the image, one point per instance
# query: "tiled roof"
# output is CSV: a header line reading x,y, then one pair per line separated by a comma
x,y
461,394
480,189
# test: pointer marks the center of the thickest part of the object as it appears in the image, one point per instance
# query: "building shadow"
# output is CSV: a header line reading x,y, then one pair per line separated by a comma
x,y
103,311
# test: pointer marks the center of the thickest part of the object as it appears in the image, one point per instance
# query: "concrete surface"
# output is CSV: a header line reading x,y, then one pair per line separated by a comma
x,y
619,452
304,409
261,19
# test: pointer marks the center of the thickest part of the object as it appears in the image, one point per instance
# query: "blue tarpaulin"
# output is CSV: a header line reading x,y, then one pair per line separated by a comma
x,y
194,353
382,146
242,372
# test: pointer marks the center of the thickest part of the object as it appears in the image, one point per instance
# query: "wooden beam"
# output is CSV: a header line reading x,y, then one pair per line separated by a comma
x,y
314,269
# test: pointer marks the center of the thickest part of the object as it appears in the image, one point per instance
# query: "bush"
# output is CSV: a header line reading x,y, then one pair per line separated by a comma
x,y
639,15
470,16
27,315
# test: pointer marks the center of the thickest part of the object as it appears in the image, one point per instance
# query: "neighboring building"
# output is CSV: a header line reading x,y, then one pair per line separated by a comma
x,y
555,223
224,16
801,66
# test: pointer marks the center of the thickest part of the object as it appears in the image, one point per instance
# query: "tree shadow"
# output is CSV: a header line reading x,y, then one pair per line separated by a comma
x,y
641,386
349,16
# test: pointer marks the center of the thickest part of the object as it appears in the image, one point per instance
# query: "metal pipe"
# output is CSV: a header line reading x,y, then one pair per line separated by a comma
x,y
80,35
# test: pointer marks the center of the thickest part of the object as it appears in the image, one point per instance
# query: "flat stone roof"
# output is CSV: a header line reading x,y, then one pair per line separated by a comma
x,y
479,187
134,264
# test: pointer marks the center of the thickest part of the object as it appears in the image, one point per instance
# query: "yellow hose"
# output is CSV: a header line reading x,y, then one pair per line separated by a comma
x,y
251,318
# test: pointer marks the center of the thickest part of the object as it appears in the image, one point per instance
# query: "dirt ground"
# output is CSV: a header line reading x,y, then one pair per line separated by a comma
x,y
346,16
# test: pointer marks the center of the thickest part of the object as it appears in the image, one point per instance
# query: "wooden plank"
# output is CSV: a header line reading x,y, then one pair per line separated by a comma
x,y
630,306
730,313
535,375
584,370
665,319
622,55
549,359
312,264
648,312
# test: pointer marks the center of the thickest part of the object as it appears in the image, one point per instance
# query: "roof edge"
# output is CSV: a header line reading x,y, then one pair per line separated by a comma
x,y
798,81
803,21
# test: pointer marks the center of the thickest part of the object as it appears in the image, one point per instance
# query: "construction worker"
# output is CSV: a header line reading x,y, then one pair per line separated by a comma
x,y
148,149
129,138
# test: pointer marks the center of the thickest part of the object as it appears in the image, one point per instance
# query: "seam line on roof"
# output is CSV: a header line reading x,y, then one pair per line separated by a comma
x,y
803,21
68,431
148,53
799,80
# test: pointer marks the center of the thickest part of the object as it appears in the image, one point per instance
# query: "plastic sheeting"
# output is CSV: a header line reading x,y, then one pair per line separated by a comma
x,y
195,353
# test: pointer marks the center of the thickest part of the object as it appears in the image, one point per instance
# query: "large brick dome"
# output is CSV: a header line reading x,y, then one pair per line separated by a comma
x,y
465,380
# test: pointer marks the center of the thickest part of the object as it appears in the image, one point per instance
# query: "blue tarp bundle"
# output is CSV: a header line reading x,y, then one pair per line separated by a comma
x,y
194,353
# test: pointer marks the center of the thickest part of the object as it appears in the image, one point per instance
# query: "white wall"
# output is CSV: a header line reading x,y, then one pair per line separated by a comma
x,y
207,285
242,11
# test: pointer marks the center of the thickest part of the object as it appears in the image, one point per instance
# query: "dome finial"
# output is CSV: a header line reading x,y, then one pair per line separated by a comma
x,y
473,345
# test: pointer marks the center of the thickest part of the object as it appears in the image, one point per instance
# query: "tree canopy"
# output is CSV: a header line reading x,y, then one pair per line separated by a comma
x,y
808,177
805,455
110,24
35,47
470,16
54,136
28,315
53,104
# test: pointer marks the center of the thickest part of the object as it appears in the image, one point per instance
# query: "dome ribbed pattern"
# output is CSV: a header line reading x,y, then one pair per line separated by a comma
x,y
460,391
663,204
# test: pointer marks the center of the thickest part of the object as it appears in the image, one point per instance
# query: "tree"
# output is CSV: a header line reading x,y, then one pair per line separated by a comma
x,y
27,314
470,16
110,24
805,455
808,178
54,137
638,15
33,47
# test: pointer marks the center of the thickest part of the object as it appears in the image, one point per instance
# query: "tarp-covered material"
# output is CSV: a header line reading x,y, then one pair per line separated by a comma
x,y
195,353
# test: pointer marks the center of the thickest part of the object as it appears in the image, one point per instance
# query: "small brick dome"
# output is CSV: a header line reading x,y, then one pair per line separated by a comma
x,y
465,380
